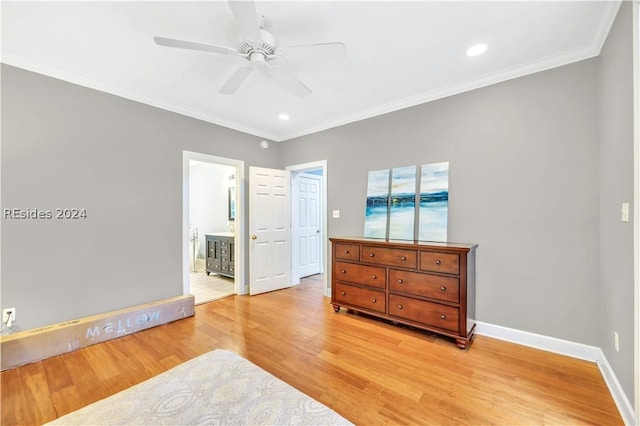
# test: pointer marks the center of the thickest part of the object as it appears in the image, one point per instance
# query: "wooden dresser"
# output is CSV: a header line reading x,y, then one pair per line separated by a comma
x,y
427,285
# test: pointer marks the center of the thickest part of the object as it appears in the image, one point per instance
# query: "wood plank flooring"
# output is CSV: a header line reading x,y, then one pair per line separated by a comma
x,y
371,372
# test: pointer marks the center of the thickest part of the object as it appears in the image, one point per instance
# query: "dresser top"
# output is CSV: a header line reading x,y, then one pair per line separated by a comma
x,y
404,243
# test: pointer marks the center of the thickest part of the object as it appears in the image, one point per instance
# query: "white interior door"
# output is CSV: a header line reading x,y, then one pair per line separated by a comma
x,y
307,223
270,229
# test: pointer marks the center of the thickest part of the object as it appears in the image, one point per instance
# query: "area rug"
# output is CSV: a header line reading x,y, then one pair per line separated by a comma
x,y
217,388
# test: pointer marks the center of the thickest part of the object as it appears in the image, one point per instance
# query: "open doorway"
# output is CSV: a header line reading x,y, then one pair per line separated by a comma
x,y
309,221
213,264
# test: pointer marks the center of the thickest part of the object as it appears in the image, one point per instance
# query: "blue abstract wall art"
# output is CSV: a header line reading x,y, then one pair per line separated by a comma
x,y
392,204
377,210
402,203
434,202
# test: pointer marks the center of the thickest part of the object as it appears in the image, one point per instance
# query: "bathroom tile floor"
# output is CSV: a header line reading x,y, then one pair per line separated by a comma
x,y
206,288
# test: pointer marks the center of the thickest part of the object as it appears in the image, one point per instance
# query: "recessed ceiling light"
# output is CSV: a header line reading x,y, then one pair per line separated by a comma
x,y
284,116
476,49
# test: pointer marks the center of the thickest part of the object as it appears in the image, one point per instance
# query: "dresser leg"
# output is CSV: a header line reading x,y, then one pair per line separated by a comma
x,y
336,308
462,344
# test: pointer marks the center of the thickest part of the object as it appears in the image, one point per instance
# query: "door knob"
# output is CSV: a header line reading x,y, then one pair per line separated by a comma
x,y
254,237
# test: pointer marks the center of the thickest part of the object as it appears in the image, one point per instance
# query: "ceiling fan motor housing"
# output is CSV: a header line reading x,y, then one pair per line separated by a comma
x,y
258,51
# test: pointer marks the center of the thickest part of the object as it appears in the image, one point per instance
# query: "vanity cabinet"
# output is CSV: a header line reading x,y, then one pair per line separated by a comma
x,y
220,258
426,285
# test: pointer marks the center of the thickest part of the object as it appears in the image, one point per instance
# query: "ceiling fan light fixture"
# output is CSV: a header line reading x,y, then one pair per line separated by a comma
x,y
284,116
259,47
477,49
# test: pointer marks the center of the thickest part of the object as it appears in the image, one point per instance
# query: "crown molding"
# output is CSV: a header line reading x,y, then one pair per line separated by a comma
x,y
88,82
565,58
543,64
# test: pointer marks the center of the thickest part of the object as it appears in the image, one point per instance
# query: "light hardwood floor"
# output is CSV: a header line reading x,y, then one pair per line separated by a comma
x,y
371,372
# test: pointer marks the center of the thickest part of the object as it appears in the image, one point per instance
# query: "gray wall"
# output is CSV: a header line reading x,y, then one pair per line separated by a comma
x,y
523,179
615,96
68,146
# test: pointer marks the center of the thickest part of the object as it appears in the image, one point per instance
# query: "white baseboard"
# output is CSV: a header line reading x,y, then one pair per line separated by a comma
x,y
568,348
620,398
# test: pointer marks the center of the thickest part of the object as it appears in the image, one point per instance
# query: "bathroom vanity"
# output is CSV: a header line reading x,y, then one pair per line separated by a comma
x,y
220,258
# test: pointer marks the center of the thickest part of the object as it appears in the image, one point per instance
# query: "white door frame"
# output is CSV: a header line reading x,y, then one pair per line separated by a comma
x,y
636,203
322,164
239,250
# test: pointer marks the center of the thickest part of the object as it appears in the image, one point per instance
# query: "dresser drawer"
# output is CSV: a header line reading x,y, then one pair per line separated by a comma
x,y
372,300
426,285
448,263
360,274
432,314
213,265
347,251
390,256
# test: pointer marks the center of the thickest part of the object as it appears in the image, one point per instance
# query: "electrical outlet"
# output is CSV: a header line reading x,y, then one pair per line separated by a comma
x,y
616,341
6,313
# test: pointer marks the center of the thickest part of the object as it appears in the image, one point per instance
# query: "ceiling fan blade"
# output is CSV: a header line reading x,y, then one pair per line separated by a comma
x,y
236,80
244,11
191,45
318,51
288,80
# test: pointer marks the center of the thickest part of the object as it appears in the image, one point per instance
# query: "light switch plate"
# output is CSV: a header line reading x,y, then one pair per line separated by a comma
x,y
336,214
625,212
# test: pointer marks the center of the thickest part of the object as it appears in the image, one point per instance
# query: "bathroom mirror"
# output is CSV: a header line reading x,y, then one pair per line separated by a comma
x,y
232,203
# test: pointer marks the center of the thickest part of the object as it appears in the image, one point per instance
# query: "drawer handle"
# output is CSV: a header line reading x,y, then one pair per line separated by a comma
x,y
373,300
371,254
400,306
346,252
404,258
443,288
342,293
443,316
343,271
438,262
373,277
400,281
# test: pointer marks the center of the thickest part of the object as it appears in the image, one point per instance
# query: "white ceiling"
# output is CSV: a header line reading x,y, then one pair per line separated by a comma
x,y
399,54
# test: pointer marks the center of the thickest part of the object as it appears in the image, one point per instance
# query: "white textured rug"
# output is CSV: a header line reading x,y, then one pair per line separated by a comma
x,y
217,388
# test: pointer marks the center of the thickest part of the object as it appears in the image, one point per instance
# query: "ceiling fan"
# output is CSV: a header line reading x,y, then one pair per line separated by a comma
x,y
260,49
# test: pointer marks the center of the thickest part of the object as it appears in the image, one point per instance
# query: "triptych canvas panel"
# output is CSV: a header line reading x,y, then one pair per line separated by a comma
x,y
377,211
398,198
